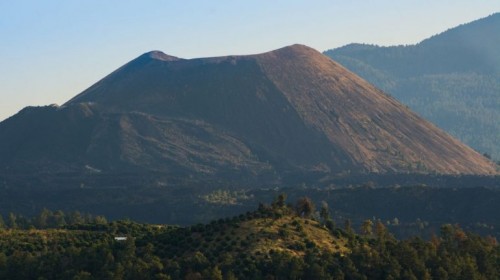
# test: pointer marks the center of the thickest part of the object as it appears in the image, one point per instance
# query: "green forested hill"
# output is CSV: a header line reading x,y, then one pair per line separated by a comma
x,y
276,241
452,79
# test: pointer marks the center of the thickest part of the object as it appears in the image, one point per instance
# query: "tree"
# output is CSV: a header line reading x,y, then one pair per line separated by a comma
x,y
76,218
446,232
279,202
367,227
2,222
82,275
198,261
59,218
193,276
380,230
12,221
100,220
230,276
324,213
42,221
304,207
216,273
348,226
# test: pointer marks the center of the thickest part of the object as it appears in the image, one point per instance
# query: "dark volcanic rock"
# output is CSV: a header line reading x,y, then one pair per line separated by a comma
x,y
272,115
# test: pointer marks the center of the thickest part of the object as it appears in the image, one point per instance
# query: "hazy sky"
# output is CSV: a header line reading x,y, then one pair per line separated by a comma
x,y
52,50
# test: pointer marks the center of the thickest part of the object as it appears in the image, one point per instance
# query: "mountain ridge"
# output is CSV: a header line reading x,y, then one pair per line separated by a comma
x,y
451,79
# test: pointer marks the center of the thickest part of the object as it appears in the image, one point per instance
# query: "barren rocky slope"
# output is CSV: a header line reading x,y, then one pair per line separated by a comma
x,y
268,116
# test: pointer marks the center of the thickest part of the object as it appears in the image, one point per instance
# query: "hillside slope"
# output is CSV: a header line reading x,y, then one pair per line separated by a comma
x,y
452,79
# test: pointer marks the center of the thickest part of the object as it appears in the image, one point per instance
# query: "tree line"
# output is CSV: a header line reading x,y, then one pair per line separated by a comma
x,y
49,219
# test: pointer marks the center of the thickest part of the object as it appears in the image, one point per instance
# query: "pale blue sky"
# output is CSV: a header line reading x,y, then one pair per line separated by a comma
x,y
52,50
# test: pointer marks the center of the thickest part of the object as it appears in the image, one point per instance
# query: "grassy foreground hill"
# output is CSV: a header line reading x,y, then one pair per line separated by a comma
x,y
273,242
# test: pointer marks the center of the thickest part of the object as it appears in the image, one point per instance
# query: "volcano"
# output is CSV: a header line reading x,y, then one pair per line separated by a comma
x,y
271,115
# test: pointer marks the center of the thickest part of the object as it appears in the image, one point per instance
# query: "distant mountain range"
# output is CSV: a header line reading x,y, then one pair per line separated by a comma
x,y
262,117
451,79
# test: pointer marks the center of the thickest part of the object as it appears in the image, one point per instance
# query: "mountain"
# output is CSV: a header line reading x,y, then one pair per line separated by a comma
x,y
264,117
451,79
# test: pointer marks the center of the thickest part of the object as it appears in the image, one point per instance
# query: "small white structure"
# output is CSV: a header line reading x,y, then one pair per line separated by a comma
x,y
120,238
